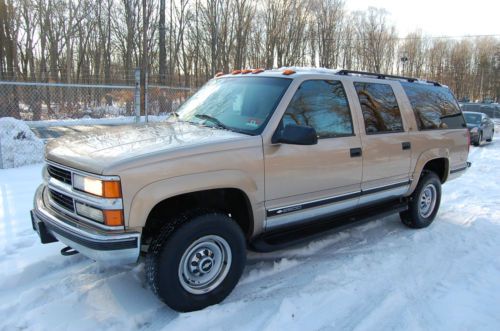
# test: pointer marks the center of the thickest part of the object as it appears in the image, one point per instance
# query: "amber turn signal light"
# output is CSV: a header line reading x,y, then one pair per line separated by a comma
x,y
113,217
111,189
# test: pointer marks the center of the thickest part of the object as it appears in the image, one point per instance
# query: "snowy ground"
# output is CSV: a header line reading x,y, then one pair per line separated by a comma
x,y
379,276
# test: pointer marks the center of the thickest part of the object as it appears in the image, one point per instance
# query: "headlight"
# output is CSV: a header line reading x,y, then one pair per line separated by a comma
x,y
106,189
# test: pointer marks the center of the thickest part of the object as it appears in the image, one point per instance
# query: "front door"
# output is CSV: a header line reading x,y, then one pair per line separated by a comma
x,y
306,182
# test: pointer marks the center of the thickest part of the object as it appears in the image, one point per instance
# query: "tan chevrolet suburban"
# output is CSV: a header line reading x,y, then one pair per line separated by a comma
x,y
256,159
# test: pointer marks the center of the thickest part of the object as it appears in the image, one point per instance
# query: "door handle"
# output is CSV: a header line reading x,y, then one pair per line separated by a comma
x,y
406,145
356,152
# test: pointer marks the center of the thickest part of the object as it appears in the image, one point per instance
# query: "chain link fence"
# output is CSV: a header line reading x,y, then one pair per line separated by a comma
x,y
56,101
161,100
62,108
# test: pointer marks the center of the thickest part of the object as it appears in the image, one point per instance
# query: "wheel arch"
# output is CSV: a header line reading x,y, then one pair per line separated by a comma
x,y
227,191
435,160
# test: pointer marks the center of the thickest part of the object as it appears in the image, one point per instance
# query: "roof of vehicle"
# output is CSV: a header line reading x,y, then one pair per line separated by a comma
x,y
474,112
300,71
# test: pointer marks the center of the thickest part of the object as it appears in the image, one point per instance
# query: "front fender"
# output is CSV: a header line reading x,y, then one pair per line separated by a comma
x,y
152,194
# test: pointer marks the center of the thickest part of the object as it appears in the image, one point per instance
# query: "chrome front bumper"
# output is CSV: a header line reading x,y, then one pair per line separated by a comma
x,y
112,247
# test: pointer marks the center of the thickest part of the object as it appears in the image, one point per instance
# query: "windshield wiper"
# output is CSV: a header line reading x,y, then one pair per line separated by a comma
x,y
213,120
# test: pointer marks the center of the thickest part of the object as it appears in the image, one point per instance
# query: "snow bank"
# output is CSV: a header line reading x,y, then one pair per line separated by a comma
x,y
18,144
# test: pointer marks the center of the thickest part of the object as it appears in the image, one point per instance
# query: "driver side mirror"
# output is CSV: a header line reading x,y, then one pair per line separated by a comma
x,y
295,135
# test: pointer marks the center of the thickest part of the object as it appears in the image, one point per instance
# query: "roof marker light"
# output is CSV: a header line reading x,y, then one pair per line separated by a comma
x,y
288,72
219,74
235,72
246,71
257,71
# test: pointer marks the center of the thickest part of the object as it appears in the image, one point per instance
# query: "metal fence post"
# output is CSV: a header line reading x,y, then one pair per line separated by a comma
x,y
137,95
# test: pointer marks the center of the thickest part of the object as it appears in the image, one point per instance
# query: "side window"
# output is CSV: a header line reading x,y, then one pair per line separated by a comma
x,y
434,106
323,105
380,108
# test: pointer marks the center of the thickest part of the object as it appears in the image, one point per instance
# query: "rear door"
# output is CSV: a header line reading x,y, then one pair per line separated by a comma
x,y
385,141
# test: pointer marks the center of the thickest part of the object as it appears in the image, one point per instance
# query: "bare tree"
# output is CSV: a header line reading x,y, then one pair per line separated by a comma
x,y
185,42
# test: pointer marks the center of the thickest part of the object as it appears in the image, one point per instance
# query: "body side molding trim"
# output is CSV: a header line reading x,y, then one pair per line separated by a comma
x,y
458,170
311,204
329,200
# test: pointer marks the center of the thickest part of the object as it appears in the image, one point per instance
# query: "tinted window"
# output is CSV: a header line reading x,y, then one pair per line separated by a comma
x,y
242,104
434,106
380,108
322,105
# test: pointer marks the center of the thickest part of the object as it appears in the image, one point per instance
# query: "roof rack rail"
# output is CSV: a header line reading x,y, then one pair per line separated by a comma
x,y
383,76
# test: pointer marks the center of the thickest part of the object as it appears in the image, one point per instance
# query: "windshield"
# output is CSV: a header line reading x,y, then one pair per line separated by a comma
x,y
472,118
241,104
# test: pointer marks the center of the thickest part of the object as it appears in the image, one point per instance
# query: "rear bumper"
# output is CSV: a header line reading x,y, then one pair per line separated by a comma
x,y
113,247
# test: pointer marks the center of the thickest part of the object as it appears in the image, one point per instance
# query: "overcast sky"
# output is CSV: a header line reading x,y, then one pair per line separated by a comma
x,y
439,17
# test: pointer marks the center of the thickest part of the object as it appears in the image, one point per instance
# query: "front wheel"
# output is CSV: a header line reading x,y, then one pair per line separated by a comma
x,y
424,202
196,263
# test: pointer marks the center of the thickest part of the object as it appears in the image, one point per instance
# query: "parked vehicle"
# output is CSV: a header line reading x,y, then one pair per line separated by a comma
x,y
492,110
480,126
259,159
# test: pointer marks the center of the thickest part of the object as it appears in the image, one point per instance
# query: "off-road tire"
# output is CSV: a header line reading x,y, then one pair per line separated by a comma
x,y
168,248
414,217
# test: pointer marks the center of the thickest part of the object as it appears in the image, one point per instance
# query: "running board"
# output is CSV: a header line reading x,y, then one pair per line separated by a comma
x,y
284,237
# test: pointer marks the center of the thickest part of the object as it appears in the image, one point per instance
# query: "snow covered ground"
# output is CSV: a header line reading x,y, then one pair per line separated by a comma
x,y
379,276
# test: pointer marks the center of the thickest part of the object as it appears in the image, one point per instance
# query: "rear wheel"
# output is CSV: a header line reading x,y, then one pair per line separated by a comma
x,y
197,262
479,139
424,202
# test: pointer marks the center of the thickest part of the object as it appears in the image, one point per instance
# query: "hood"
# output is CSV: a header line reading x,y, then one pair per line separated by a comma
x,y
94,151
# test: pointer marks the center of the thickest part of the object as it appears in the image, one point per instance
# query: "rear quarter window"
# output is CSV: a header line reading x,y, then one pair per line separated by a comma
x,y
435,107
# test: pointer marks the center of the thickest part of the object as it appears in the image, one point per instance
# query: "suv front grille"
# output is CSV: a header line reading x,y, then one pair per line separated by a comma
x,y
59,174
62,200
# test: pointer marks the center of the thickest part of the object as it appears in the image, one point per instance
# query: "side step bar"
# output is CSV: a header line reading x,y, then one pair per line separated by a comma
x,y
284,237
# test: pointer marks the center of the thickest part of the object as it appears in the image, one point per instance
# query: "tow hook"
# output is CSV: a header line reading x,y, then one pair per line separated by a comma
x,y
68,251
469,164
